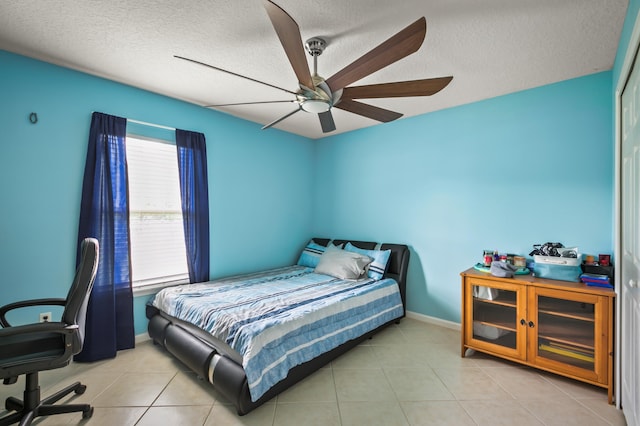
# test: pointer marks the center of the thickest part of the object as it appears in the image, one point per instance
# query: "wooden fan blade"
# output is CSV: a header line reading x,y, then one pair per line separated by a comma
x,y
398,89
290,38
395,48
273,123
248,103
326,122
233,73
369,111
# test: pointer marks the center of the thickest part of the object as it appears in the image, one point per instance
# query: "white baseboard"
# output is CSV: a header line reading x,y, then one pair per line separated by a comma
x,y
433,320
142,337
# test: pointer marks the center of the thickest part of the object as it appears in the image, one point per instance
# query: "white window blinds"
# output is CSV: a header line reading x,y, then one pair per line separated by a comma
x,y
158,253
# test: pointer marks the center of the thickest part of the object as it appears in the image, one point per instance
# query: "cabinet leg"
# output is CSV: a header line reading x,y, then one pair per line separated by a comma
x,y
465,351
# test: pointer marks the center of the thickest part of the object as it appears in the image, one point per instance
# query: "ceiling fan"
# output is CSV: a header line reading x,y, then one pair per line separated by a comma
x,y
319,96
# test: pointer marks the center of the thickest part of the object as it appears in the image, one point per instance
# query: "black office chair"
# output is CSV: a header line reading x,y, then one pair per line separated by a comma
x,y
28,349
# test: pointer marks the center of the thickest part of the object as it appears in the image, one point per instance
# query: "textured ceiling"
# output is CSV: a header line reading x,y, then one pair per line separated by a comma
x,y
490,47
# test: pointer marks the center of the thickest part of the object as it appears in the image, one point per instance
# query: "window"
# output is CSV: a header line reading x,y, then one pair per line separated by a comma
x,y
158,252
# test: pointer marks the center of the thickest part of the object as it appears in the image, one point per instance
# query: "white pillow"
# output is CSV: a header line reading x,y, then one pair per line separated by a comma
x,y
342,264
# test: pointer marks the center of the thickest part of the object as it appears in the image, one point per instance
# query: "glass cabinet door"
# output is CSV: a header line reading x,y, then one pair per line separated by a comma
x,y
567,331
496,317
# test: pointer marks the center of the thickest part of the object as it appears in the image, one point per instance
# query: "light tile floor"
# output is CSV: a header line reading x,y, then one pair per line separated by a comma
x,y
409,374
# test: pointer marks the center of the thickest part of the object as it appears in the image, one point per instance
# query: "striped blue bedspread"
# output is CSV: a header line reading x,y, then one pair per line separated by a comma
x,y
283,317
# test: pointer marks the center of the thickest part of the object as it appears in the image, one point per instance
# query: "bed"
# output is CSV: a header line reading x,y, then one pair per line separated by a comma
x,y
292,331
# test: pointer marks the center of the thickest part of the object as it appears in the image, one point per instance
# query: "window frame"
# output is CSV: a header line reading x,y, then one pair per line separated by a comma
x,y
152,285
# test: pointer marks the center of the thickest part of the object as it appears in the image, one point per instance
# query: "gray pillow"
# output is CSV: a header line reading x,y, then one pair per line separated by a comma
x,y
343,264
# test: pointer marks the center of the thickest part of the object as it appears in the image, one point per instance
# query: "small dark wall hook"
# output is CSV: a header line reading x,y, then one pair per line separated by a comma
x,y
33,118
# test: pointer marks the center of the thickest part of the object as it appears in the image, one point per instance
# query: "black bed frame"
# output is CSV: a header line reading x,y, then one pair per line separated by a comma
x,y
214,360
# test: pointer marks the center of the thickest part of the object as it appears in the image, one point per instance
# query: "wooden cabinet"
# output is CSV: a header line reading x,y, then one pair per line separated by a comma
x,y
558,326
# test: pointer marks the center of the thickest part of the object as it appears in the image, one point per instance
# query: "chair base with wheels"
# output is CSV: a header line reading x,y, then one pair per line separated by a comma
x,y
32,406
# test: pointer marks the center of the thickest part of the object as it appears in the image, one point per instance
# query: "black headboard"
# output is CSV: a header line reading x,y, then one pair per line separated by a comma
x,y
398,261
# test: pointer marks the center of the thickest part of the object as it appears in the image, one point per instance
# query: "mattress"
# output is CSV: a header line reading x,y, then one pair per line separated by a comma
x,y
284,317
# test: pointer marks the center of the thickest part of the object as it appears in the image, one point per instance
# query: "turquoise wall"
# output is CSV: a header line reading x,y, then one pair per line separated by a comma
x,y
260,181
503,174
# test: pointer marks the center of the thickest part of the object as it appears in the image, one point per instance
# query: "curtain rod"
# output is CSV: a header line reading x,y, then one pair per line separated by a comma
x,y
144,123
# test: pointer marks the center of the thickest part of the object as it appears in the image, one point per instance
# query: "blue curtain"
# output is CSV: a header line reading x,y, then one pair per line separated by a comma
x,y
104,214
194,192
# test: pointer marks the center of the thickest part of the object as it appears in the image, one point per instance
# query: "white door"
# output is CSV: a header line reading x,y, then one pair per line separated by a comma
x,y
629,264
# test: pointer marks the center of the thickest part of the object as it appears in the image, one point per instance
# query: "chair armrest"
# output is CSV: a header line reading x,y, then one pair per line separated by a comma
x,y
37,328
26,303
33,333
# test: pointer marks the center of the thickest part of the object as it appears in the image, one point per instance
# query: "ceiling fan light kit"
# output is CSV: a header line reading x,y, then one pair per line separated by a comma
x,y
318,96
315,105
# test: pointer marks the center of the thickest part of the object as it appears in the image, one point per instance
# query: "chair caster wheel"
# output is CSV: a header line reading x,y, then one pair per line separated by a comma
x,y
86,414
80,389
13,404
